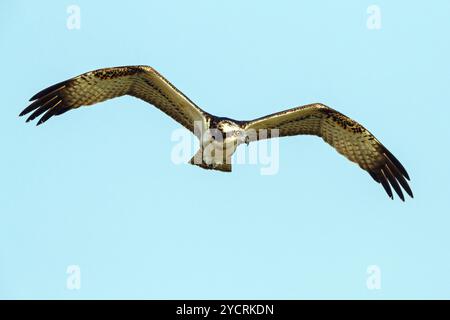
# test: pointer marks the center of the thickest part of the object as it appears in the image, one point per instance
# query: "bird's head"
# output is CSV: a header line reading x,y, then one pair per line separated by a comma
x,y
231,130
241,136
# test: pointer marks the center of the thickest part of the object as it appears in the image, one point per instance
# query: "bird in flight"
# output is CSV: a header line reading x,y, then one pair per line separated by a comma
x,y
347,136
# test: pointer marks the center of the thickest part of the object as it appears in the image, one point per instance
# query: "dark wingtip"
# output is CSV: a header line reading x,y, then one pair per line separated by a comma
x,y
41,121
392,175
384,182
410,193
397,163
49,90
33,106
39,106
50,113
393,181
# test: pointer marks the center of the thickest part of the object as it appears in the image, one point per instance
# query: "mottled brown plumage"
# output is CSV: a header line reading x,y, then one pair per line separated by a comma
x,y
99,85
344,134
347,136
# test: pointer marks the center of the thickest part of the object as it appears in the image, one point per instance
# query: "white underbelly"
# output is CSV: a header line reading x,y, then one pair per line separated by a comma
x,y
218,152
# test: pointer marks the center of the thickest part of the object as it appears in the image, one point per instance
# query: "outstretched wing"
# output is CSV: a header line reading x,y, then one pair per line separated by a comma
x,y
347,136
99,85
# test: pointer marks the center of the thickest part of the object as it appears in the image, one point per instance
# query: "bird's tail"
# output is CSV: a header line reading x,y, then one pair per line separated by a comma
x,y
197,160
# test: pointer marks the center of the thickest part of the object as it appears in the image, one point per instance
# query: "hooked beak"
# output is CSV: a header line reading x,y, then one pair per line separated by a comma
x,y
247,140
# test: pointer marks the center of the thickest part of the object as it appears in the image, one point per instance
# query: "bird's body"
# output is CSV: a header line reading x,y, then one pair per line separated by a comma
x,y
219,140
220,136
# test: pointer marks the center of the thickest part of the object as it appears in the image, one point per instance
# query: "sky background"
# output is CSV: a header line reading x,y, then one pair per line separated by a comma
x,y
96,187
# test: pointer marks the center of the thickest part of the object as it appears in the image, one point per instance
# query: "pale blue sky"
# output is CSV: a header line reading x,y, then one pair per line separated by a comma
x,y
96,187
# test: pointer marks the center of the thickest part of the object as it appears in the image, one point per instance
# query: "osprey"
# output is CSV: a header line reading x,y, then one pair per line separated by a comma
x,y
347,136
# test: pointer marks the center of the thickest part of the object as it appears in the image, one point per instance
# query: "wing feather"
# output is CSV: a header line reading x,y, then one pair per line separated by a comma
x,y
43,107
347,136
99,85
